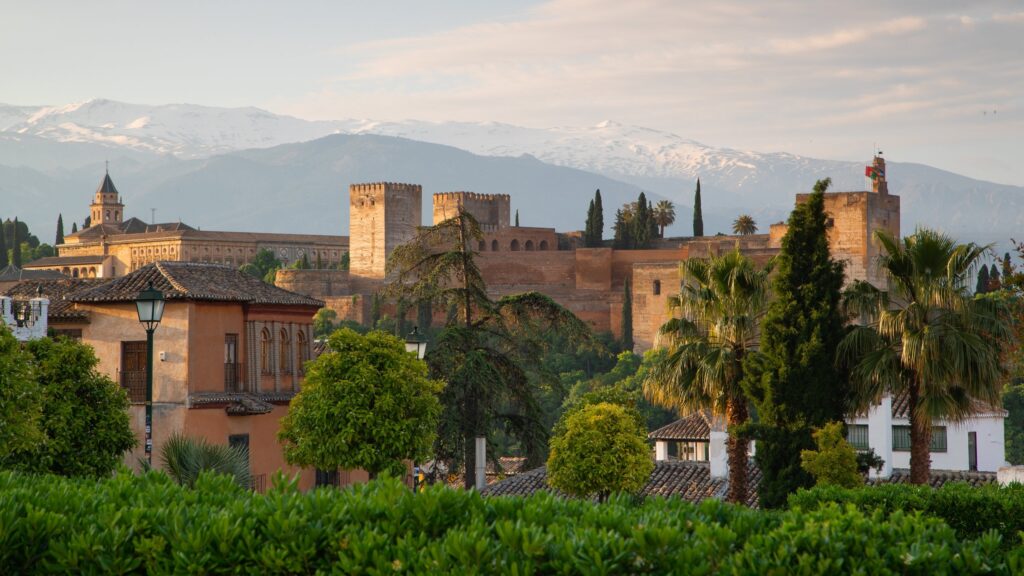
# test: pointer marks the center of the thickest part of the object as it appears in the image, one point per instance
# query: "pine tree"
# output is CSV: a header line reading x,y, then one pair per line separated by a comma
x,y
982,285
627,317
598,220
517,218
698,216
60,230
794,382
74,227
16,246
3,246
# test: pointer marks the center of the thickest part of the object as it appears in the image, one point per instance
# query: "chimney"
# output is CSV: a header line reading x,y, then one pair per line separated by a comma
x,y
718,456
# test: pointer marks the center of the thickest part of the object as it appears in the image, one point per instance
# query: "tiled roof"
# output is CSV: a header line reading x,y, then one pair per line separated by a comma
x,y
692,427
12,273
901,407
130,226
691,481
66,261
193,281
106,186
55,290
939,477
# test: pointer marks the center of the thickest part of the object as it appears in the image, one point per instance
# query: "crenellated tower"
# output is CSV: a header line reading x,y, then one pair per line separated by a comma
x,y
382,216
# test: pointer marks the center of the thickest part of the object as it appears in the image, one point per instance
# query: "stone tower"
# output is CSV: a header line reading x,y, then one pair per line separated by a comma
x,y
492,211
382,216
106,207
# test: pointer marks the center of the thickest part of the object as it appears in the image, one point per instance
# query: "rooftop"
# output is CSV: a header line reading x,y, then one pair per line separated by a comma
x,y
55,290
694,427
193,281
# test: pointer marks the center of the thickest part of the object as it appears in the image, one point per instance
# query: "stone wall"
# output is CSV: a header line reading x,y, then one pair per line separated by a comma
x,y
492,211
519,239
551,269
316,283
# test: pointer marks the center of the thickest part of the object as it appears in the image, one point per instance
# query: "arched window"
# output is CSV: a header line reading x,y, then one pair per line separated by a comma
x,y
514,246
657,287
543,244
482,246
494,245
266,362
529,245
74,273
117,215
108,214
286,352
303,344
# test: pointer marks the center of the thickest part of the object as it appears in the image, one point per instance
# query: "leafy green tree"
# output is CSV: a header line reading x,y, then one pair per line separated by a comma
x,y
627,317
367,403
720,307
982,285
794,383
41,251
744,225
664,216
20,400
346,260
698,215
489,348
184,458
994,282
622,384
84,413
603,450
834,463
60,230
927,337
265,261
1013,403
324,322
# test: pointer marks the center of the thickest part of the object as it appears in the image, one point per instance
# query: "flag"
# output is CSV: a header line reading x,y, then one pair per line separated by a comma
x,y
870,172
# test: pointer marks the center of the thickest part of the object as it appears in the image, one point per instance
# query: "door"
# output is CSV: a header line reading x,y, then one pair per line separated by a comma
x,y
133,370
232,370
972,451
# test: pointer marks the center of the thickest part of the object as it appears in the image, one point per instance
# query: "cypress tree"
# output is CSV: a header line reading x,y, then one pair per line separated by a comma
x,y
402,310
87,222
588,231
60,230
698,216
794,382
627,317
3,245
641,225
1007,267
517,218
74,227
16,246
374,310
993,279
623,235
598,219
982,286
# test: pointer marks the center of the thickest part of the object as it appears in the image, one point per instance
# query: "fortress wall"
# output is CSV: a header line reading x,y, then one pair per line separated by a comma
x,y
594,268
551,269
650,310
355,308
519,239
315,283
490,210
623,262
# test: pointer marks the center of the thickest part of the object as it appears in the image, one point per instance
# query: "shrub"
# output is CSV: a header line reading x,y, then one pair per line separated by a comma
x,y
130,524
185,459
835,460
970,511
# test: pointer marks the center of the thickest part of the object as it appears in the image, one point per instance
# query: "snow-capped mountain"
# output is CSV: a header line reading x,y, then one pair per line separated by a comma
x,y
153,141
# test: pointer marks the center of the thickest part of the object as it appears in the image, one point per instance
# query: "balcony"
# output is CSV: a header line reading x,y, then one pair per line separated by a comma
x,y
134,382
234,377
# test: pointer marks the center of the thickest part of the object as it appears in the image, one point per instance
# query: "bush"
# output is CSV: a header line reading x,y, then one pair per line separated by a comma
x,y
130,524
970,511
835,460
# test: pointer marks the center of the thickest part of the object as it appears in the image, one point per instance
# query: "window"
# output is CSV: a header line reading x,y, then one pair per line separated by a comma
x,y
494,245
529,245
482,246
232,369
901,439
656,287
543,244
286,352
266,364
857,436
133,370
303,345
514,246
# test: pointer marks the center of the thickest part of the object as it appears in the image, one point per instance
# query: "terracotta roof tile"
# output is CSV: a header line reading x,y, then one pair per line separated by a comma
x,y
193,281
55,290
692,427
12,273
939,477
901,407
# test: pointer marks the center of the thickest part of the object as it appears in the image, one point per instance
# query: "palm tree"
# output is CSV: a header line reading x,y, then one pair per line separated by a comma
x,y
926,338
744,225
720,308
184,458
664,215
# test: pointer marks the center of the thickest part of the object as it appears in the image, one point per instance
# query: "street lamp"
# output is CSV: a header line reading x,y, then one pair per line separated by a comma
x,y
415,343
150,305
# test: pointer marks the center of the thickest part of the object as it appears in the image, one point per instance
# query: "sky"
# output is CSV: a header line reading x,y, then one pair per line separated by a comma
x,y
935,82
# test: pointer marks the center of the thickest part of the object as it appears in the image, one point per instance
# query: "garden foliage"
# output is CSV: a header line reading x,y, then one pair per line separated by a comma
x,y
150,524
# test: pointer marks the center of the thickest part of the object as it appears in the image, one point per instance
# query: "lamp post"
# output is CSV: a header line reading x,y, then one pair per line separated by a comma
x,y
415,343
150,305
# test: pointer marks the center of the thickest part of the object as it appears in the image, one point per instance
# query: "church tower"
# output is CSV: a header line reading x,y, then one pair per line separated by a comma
x,y
106,207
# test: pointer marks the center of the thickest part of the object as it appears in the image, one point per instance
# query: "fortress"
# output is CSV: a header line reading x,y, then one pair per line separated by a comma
x,y
588,281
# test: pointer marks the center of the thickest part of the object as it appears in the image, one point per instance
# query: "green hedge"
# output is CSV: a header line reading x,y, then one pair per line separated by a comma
x,y
134,525
968,510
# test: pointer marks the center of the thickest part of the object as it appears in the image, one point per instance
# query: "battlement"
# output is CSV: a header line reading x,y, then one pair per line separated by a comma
x,y
450,196
492,211
371,187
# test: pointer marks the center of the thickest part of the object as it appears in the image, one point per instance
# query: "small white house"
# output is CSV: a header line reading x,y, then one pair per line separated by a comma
x,y
26,320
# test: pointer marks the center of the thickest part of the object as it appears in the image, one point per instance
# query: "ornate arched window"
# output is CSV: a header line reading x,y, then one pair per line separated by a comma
x,y
266,362
285,343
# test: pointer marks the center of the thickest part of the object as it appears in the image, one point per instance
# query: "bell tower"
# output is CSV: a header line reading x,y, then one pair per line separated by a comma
x,y
106,207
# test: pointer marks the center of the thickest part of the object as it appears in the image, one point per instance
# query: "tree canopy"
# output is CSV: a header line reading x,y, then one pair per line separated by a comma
x,y
366,403
20,409
744,225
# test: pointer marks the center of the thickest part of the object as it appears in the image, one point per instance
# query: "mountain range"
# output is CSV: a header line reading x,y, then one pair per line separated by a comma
x,y
249,169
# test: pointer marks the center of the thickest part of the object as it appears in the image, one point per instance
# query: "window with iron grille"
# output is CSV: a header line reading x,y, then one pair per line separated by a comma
x,y
857,436
901,439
